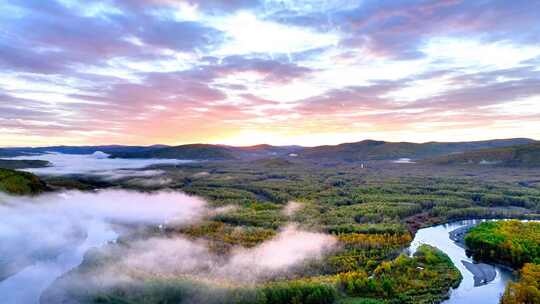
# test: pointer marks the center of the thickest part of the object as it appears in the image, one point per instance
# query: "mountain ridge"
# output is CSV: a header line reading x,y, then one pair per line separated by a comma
x,y
354,151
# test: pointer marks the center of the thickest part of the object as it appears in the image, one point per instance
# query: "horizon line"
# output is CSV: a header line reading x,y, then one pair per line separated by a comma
x,y
268,144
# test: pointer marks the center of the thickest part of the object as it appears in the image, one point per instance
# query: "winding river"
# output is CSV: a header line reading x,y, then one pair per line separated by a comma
x,y
467,292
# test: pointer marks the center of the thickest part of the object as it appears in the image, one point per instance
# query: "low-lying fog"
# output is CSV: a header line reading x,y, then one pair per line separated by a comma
x,y
96,164
181,256
44,237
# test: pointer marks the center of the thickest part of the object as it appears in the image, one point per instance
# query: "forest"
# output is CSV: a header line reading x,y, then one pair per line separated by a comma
x,y
373,213
513,243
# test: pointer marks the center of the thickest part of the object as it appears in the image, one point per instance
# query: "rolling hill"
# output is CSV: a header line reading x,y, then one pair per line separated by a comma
x,y
212,152
516,156
357,151
194,151
381,150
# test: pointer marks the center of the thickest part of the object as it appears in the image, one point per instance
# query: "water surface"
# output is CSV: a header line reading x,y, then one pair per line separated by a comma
x,y
466,293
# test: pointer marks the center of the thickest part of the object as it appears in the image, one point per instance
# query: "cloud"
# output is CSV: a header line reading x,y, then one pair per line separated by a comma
x,y
273,71
207,6
90,72
55,40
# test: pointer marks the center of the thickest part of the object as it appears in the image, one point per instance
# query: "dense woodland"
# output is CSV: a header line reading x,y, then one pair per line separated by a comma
x,y
513,243
373,209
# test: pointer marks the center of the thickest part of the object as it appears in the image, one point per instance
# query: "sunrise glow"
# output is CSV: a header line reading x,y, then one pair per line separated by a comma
x,y
278,72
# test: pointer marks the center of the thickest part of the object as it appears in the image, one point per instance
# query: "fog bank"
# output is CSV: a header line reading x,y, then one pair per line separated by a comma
x,y
181,256
42,237
96,164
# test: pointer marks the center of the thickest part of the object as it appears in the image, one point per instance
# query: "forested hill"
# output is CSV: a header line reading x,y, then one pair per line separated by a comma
x,y
357,151
20,183
380,150
195,151
515,156
213,152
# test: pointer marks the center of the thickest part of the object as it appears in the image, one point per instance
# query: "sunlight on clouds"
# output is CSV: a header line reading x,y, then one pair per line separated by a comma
x,y
299,72
310,6
89,9
526,106
24,82
39,123
291,92
54,98
186,11
365,72
13,137
110,71
248,34
475,54
178,62
423,88
509,128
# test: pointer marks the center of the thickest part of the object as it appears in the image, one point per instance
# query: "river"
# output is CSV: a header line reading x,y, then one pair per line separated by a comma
x,y
467,292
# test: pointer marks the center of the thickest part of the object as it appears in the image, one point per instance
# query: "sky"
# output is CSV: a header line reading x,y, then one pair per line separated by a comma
x,y
282,72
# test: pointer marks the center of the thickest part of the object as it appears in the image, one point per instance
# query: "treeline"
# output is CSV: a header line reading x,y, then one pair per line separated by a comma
x,y
513,243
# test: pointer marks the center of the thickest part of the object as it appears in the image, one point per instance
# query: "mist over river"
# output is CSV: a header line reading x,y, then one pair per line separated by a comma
x,y
44,237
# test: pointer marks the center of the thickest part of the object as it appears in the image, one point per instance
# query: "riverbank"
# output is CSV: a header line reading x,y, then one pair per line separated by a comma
x,y
458,235
488,288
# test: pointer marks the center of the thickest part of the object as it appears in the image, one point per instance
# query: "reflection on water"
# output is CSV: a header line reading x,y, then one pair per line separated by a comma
x,y
466,293
403,161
